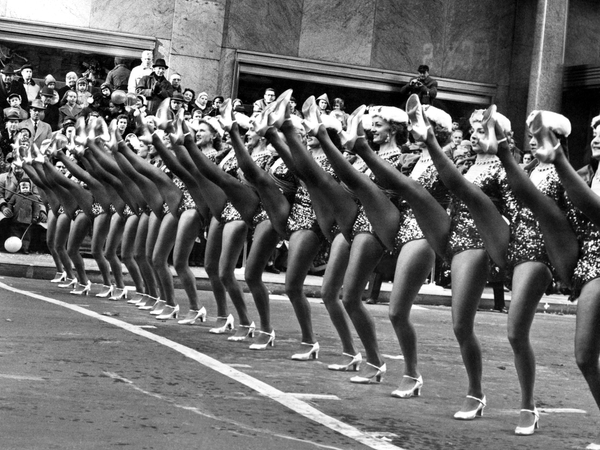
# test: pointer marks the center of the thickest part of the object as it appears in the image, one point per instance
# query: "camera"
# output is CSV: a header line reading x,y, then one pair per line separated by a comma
x,y
416,82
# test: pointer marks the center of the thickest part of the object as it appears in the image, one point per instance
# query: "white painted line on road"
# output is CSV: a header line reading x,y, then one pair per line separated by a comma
x,y
562,410
265,389
314,396
20,377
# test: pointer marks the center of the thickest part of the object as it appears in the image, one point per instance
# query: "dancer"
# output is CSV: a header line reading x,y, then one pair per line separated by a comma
x,y
586,279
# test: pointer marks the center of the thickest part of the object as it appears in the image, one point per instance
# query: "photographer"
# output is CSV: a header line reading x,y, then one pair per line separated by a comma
x,y
423,85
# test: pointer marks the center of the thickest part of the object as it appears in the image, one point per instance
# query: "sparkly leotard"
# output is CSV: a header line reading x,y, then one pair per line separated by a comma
x,y
463,231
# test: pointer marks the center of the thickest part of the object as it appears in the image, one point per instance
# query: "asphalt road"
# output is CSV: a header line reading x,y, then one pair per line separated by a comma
x,y
89,373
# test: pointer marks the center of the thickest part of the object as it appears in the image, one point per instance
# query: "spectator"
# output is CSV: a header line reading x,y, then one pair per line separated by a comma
x,y
464,156
202,104
338,111
118,77
216,104
323,104
50,81
102,99
9,185
7,138
268,98
175,80
26,210
423,85
123,124
83,92
39,130
455,140
188,99
155,87
8,86
14,102
71,81
51,113
114,111
30,86
145,68
293,108
70,108
176,102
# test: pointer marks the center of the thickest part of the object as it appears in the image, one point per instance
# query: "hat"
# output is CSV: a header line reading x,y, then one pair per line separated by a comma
x,y
69,121
214,123
323,97
13,95
26,66
37,104
442,118
160,63
8,70
13,114
142,99
9,157
105,84
502,120
48,92
49,79
82,80
389,114
423,68
556,122
177,96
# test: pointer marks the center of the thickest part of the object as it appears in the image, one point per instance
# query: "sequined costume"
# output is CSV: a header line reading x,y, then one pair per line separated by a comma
x,y
463,231
187,202
527,242
302,215
97,209
408,229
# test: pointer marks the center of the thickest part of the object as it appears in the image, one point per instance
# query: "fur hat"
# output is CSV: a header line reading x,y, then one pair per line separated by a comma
x,y
556,122
389,114
442,118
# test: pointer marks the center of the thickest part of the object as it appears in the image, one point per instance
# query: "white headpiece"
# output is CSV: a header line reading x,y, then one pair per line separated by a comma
x,y
556,122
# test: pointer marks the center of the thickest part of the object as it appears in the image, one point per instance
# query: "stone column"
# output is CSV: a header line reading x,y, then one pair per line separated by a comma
x,y
548,55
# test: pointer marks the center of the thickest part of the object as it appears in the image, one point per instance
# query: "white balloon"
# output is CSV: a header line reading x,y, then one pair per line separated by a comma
x,y
13,244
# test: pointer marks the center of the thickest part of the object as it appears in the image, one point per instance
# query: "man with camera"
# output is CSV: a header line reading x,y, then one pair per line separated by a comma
x,y
423,85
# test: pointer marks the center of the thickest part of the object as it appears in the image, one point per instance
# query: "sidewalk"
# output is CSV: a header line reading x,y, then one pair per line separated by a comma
x,y
41,266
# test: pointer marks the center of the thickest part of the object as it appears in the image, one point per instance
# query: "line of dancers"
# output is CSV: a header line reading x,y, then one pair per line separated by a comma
x,y
287,178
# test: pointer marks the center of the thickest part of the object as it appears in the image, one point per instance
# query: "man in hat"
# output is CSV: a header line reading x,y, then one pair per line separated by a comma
x,y
30,86
39,130
155,87
51,113
145,68
118,78
423,85
8,86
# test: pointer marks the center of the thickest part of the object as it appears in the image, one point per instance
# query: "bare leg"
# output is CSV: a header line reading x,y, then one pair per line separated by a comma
x,y
162,248
115,235
50,235
127,252
142,259
152,236
63,225
100,229
187,231
211,265
79,229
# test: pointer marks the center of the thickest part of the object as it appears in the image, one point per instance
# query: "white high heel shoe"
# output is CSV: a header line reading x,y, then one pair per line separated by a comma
x,y
415,391
470,415
243,332
69,283
352,366
169,312
59,277
158,307
82,289
313,353
107,291
227,326
120,293
375,377
194,315
270,341
528,431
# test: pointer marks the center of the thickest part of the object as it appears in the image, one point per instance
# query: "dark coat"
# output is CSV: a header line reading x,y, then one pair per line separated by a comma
x,y
155,89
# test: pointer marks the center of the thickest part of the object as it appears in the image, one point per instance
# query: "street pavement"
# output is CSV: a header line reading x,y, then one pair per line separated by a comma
x,y
89,373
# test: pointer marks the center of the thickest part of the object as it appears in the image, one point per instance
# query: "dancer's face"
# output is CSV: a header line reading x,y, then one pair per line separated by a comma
x,y
533,145
596,143
204,136
477,134
382,131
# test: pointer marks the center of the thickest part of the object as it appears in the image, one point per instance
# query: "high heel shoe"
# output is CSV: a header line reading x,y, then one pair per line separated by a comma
x,y
69,284
415,391
119,294
243,332
148,304
158,307
136,297
527,431
353,129
281,110
470,415
59,277
169,312
82,289
313,353
107,292
352,366
228,325
263,346
375,377
193,315
417,118
312,118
